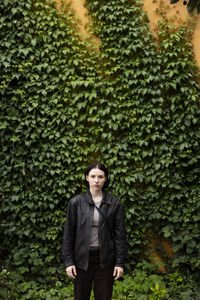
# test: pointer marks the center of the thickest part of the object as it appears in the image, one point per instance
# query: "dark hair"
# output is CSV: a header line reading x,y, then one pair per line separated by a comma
x,y
100,166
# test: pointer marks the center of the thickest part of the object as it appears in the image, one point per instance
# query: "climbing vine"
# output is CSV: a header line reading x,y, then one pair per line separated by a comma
x,y
134,105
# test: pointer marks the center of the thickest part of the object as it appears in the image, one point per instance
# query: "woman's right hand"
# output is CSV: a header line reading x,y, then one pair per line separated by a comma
x,y
71,272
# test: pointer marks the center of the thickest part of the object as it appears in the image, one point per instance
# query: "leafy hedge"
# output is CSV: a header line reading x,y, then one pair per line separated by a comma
x,y
134,105
138,285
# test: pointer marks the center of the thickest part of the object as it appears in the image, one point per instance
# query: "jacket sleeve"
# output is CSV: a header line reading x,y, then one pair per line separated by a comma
x,y
119,235
69,234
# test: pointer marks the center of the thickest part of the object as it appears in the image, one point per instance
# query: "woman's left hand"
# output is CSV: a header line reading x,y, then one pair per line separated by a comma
x,y
118,272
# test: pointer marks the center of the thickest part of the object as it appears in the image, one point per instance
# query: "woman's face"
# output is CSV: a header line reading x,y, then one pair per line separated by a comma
x,y
96,179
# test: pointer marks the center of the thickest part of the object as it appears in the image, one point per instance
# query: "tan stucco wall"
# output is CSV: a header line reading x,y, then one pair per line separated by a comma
x,y
81,13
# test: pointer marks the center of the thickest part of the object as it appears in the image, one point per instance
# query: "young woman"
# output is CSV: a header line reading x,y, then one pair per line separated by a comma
x,y
94,243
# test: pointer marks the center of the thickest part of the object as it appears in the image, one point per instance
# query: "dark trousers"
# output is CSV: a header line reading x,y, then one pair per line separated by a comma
x,y
100,278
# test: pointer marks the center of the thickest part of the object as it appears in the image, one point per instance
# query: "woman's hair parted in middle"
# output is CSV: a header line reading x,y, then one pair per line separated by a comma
x,y
100,166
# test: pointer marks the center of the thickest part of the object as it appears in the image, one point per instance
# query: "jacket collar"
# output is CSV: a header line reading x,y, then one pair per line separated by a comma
x,y
105,199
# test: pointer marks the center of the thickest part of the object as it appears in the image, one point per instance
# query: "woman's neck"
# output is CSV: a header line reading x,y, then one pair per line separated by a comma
x,y
96,195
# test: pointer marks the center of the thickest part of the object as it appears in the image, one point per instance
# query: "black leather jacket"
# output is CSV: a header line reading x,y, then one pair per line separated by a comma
x,y
112,240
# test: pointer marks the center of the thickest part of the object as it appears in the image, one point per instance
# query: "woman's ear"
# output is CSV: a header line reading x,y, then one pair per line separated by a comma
x,y
86,177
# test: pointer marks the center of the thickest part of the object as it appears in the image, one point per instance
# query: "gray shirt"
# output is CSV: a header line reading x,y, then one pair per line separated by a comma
x,y
94,239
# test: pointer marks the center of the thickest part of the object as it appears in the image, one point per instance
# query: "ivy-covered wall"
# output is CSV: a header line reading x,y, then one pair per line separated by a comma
x,y
134,106
178,14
